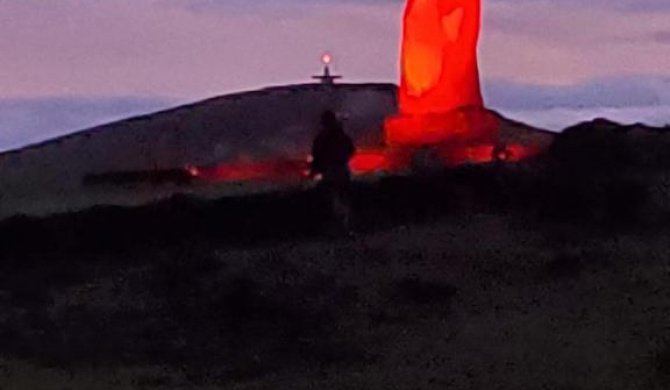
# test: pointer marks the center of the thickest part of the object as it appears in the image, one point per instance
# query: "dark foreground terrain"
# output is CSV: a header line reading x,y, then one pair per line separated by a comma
x,y
548,275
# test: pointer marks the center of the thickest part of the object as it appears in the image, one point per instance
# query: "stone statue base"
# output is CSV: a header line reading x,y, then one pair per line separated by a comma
x,y
460,136
471,125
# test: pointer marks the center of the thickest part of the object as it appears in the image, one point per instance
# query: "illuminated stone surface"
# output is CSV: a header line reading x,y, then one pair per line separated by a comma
x,y
439,96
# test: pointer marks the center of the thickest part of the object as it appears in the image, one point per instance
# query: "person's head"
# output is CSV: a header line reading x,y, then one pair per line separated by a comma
x,y
329,120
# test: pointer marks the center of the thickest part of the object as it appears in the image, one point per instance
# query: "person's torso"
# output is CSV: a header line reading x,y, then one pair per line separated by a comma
x,y
334,151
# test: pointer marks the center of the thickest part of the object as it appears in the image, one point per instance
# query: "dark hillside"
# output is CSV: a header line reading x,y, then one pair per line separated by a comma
x,y
550,274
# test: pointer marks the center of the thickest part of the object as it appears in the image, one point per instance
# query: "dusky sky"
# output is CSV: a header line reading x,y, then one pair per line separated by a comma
x,y
71,64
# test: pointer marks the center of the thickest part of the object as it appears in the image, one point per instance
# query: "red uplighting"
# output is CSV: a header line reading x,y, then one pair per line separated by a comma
x,y
365,162
471,125
283,170
484,153
277,170
439,56
439,96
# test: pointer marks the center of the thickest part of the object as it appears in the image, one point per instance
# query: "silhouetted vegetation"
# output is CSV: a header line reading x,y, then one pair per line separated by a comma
x,y
240,289
415,291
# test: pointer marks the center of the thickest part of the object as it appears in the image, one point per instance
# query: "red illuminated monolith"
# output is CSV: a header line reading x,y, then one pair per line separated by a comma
x,y
439,96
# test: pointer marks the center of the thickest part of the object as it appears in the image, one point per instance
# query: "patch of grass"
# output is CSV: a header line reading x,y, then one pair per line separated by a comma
x,y
662,363
563,266
413,290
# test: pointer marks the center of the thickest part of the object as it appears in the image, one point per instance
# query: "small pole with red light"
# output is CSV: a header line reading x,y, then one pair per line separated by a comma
x,y
327,78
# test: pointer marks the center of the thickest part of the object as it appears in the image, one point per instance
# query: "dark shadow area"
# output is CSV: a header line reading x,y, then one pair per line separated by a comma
x,y
170,284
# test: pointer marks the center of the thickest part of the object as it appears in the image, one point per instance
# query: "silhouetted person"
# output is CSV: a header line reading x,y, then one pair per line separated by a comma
x,y
331,151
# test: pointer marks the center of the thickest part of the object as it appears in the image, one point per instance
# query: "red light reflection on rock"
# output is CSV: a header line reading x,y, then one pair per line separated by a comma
x,y
440,100
279,170
369,161
283,170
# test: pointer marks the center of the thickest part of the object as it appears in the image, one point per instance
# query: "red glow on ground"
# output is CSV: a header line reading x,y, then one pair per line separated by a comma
x,y
460,126
279,170
283,170
480,154
517,152
365,162
485,153
193,171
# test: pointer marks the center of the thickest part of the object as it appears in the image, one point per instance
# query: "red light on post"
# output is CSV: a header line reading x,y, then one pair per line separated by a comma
x,y
326,58
193,171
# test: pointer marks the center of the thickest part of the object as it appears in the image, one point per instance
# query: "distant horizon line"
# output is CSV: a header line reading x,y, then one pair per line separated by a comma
x,y
183,103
